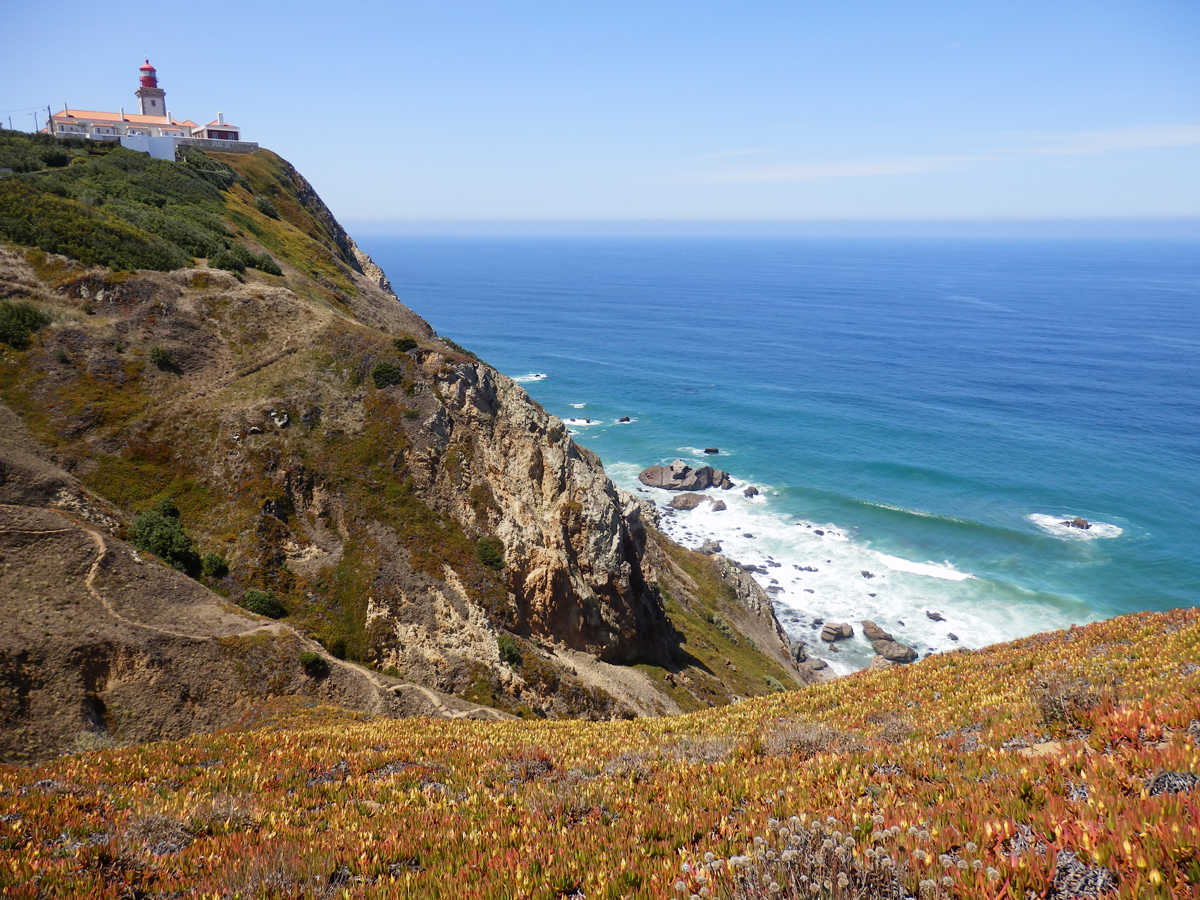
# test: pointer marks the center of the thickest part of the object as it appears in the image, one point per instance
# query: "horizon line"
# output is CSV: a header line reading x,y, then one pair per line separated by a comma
x,y
1141,227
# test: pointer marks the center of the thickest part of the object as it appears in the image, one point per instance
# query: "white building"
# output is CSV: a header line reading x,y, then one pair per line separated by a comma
x,y
152,120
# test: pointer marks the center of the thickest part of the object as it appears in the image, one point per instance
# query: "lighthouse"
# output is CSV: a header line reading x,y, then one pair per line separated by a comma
x,y
150,96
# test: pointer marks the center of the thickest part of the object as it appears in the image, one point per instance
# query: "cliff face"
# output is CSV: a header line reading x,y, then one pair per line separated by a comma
x,y
412,509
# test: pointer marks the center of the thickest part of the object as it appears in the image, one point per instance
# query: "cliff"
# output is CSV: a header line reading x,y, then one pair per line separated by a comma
x,y
415,517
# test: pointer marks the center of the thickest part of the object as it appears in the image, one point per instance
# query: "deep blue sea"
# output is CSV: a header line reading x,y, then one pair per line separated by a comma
x,y
935,407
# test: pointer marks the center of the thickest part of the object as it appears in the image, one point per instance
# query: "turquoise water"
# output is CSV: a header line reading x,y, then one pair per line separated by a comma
x,y
934,407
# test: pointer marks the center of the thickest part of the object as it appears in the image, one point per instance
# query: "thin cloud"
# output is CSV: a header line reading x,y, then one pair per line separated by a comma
x,y
1010,147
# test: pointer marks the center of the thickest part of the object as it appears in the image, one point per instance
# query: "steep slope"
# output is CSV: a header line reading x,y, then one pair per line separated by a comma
x,y
410,508
1060,766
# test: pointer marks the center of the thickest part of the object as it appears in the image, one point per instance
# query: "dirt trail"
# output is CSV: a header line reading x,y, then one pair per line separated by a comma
x,y
384,685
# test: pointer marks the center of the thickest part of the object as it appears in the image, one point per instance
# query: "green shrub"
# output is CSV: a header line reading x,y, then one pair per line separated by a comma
x,y
314,664
265,206
18,321
264,603
405,343
161,357
265,263
163,535
214,565
227,260
386,373
510,650
94,237
491,552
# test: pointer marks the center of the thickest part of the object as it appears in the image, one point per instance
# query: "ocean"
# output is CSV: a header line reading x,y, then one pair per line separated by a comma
x,y
918,416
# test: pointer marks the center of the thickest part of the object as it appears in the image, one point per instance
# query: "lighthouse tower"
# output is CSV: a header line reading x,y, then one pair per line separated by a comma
x,y
150,95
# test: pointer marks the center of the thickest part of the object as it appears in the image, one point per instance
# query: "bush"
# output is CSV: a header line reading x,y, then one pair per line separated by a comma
x,y
92,236
314,664
161,357
510,650
264,603
227,260
214,565
163,535
265,206
264,263
18,321
386,373
491,552
405,343
457,349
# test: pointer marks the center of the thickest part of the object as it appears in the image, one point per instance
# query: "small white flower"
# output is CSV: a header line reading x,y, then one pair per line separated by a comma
x,y
971,847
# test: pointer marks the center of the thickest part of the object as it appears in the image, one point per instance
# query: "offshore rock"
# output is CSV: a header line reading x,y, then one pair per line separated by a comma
x,y
679,476
686,501
836,631
873,632
894,651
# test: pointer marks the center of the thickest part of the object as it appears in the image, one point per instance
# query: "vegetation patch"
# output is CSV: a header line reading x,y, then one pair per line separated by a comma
x,y
265,603
19,321
160,532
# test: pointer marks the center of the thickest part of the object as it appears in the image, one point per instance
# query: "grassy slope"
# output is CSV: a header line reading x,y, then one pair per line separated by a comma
x,y
520,809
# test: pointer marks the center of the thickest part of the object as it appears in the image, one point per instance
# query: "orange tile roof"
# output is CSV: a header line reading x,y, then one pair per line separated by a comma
x,y
95,116
217,123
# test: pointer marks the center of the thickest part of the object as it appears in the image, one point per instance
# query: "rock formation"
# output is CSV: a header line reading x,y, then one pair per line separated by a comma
x,y
679,476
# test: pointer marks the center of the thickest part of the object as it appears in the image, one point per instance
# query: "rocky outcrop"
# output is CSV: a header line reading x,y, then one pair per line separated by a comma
x,y
836,631
679,476
686,501
873,632
894,651
1077,522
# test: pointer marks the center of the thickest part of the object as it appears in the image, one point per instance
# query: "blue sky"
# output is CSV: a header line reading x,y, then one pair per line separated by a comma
x,y
669,110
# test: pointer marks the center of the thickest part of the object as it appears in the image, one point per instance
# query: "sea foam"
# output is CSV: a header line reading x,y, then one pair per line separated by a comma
x,y
851,581
1055,525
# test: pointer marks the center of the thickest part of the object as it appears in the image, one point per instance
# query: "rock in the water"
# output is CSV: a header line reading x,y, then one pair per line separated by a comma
x,y
873,632
686,501
815,664
1078,523
836,631
750,491
718,505
798,650
679,476
952,636
866,574
935,616
708,548
624,419
711,450
894,651
774,589
818,531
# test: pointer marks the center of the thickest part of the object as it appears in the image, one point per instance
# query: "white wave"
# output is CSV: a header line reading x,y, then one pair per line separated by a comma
x,y
532,376
578,405
577,422
1056,526
817,570
698,453
933,570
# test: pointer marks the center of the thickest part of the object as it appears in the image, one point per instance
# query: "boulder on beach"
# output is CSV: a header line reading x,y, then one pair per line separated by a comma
x,y
836,631
686,501
873,632
894,651
679,476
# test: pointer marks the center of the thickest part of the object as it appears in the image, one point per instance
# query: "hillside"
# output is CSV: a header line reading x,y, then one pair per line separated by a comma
x,y
1062,765
197,361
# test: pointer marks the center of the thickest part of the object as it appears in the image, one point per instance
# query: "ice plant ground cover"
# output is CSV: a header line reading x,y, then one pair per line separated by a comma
x,y
1061,765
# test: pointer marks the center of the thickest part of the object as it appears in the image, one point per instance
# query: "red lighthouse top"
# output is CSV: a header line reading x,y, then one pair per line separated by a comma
x,y
149,76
